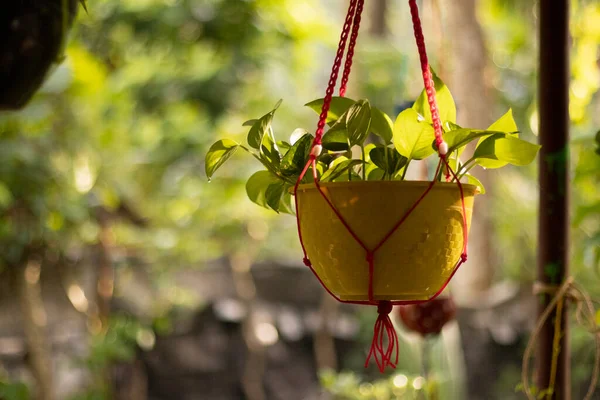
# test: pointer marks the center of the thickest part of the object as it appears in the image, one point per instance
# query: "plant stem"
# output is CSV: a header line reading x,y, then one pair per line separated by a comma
x,y
463,171
405,169
364,172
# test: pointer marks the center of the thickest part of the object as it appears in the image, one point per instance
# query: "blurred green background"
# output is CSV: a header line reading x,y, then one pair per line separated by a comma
x,y
125,274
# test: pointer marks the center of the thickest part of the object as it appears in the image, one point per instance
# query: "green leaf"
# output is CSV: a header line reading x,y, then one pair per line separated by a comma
x,y
445,102
269,152
388,159
382,125
250,122
451,126
367,150
412,137
474,181
339,169
339,105
505,149
358,122
336,138
457,139
218,153
285,205
274,195
505,123
257,185
261,127
295,159
374,173
283,146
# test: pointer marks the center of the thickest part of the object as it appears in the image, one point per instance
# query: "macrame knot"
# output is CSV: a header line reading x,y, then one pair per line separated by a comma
x,y
385,344
384,307
307,262
463,257
370,257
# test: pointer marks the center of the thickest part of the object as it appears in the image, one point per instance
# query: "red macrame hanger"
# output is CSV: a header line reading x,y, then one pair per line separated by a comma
x,y
384,346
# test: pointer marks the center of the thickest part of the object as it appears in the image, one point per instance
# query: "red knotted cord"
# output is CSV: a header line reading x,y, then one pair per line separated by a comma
x,y
384,333
350,55
385,340
334,73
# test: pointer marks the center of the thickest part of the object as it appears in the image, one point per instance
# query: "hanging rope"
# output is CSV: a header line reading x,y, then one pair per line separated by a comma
x,y
350,55
385,340
585,316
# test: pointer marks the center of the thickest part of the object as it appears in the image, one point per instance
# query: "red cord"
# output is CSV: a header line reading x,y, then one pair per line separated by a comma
x,y
383,332
350,55
427,77
334,72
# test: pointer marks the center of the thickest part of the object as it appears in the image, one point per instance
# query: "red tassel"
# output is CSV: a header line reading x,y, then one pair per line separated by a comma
x,y
384,329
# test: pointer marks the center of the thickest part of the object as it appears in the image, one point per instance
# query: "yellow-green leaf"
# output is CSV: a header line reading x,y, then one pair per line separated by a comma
x,y
412,137
218,153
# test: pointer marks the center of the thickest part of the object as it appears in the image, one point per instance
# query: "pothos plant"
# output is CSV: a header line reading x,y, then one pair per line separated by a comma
x,y
393,146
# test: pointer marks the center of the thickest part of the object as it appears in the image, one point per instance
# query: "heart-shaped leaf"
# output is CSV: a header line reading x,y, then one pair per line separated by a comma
x,y
387,159
336,138
257,185
339,169
358,122
250,122
505,149
459,138
445,102
295,159
374,173
474,181
261,127
338,106
412,137
505,123
218,153
269,152
274,194
382,125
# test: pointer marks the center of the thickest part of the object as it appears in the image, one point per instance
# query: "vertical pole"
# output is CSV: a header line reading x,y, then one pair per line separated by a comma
x,y
553,257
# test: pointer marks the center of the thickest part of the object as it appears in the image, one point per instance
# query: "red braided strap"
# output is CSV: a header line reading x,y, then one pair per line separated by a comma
x,y
351,45
335,72
427,77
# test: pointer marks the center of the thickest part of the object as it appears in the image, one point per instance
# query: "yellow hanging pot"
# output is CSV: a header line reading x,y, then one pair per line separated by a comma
x,y
417,259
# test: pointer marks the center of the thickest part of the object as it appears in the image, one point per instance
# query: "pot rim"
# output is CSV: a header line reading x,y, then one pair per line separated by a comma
x,y
419,184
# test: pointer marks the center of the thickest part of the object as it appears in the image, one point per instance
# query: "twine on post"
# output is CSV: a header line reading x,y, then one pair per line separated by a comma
x,y
585,315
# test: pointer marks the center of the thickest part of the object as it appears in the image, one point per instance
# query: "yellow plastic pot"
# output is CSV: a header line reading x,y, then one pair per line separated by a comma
x,y
415,261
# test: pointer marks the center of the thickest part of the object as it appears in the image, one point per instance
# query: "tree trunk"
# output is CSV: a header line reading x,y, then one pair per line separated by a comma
x,y
378,26
34,324
474,105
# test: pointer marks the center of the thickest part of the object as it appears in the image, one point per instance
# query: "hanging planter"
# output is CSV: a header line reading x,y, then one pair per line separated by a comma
x,y
413,264
33,35
370,236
